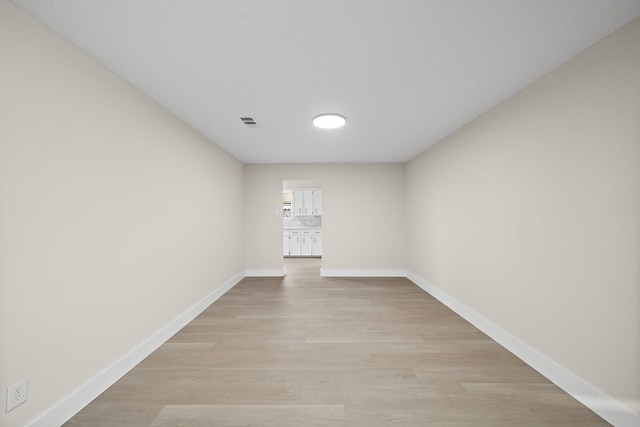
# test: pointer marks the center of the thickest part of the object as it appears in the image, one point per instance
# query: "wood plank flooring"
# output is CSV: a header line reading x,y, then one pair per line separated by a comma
x,y
312,351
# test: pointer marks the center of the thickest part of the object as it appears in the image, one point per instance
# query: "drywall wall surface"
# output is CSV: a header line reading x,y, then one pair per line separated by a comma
x,y
530,215
113,215
362,220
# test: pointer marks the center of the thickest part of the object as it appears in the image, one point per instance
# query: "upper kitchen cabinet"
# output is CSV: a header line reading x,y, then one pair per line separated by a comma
x,y
306,202
316,197
296,203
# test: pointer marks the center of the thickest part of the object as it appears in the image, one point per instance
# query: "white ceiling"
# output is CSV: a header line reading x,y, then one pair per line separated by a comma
x,y
405,73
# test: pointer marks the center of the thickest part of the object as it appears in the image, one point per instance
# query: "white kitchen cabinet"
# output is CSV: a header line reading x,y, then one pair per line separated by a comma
x,y
316,197
285,243
306,202
305,243
294,243
302,243
316,243
291,243
296,202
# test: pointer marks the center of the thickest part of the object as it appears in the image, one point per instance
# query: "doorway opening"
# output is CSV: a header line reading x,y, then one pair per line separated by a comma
x,y
301,219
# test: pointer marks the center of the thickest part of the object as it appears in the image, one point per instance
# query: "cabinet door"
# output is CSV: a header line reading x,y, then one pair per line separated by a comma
x,y
294,243
316,247
305,244
285,243
307,202
297,206
317,202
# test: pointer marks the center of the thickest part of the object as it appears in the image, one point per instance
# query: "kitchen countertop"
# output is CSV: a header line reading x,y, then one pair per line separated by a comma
x,y
302,229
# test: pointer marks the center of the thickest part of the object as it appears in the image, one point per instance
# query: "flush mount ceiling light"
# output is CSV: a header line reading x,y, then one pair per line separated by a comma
x,y
329,121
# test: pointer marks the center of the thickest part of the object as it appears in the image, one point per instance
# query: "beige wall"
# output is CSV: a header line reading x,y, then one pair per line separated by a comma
x,y
114,216
530,216
362,222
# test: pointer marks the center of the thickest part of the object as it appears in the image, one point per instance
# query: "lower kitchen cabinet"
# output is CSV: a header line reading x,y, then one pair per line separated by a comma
x,y
285,243
302,243
316,243
291,243
305,243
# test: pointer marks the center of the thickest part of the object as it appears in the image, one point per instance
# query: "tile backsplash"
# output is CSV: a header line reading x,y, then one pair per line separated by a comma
x,y
302,222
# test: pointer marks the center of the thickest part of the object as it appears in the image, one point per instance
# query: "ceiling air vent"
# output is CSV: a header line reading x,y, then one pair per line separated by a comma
x,y
249,121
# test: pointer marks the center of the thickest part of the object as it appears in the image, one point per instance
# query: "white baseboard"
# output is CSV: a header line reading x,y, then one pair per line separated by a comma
x,y
275,272
602,404
81,397
362,272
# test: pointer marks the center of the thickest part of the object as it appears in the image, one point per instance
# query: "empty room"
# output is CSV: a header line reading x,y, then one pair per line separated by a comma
x,y
336,213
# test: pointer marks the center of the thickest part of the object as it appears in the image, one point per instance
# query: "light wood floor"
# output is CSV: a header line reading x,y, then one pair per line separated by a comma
x,y
313,351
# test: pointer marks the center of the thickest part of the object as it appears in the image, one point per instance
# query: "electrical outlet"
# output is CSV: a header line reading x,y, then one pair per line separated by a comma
x,y
17,394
